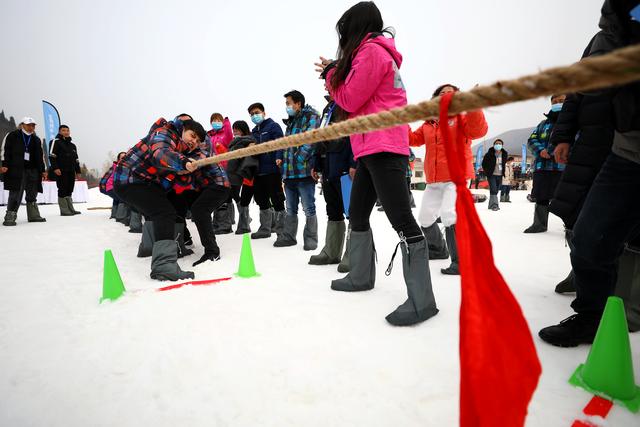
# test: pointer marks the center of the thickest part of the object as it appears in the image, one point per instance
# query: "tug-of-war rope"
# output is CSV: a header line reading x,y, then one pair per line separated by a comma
x,y
616,68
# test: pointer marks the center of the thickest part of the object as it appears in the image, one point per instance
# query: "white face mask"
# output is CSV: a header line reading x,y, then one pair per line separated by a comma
x,y
27,133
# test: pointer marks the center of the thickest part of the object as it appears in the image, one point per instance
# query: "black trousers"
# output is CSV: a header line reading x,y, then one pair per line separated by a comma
x,y
383,176
208,200
609,218
66,182
152,202
332,192
267,190
29,185
242,194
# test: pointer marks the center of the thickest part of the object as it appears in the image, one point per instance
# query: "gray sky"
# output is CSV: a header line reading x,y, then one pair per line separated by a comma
x,y
113,67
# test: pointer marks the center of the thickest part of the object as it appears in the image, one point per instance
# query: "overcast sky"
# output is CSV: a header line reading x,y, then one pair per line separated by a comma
x,y
113,67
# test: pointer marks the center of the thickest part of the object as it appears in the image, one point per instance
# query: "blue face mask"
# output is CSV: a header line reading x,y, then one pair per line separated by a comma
x,y
290,111
257,119
497,147
556,108
216,125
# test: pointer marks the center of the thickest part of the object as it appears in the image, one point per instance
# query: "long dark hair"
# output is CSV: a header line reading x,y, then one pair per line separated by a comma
x,y
352,27
242,126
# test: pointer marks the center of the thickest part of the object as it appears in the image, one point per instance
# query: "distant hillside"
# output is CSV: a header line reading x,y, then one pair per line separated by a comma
x,y
6,125
513,140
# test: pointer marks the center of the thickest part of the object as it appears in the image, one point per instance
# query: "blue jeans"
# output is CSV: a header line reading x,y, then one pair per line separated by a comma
x,y
505,190
495,182
300,190
609,218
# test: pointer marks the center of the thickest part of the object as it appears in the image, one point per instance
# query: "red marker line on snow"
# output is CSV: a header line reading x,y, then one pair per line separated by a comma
x,y
193,283
597,407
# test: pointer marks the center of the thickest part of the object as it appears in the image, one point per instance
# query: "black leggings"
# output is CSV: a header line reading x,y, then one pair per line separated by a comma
x,y
206,202
151,201
383,176
267,190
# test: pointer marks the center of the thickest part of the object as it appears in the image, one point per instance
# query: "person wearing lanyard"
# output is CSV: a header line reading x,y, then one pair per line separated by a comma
x,y
23,171
333,160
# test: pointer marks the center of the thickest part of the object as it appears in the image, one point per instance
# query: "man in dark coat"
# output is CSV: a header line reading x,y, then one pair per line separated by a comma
x,y
610,215
66,168
493,165
23,170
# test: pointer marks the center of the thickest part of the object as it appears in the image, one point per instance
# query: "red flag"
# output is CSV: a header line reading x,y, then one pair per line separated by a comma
x,y
499,367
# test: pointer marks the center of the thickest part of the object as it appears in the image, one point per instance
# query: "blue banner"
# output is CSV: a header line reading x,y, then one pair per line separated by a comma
x,y
51,125
523,165
479,158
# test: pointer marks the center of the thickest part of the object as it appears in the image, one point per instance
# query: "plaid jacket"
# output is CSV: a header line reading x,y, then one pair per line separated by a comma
x,y
297,162
539,140
156,158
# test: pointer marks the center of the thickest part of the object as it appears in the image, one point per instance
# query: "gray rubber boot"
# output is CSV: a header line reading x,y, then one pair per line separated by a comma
x,y
540,219
243,220
70,205
232,212
266,218
435,242
222,223
183,250
135,225
164,262
289,232
567,285
33,214
278,221
333,245
10,219
503,198
421,303
628,285
343,267
148,238
493,202
453,269
64,207
121,212
362,273
310,233
114,208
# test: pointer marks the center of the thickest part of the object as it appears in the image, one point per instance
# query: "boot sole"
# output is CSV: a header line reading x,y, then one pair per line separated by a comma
x,y
352,289
284,245
329,262
165,278
37,220
425,315
449,272
260,236
564,343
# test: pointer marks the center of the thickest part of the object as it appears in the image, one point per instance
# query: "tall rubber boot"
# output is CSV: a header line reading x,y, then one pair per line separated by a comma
x,y
243,220
540,219
70,204
278,221
10,219
362,257
289,232
114,208
628,285
344,265
421,303
135,225
494,205
223,219
33,214
435,242
121,212
333,245
145,249
453,269
266,218
64,207
183,250
310,233
164,262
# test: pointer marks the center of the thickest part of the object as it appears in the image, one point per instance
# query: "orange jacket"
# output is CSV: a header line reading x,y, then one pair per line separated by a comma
x,y
473,125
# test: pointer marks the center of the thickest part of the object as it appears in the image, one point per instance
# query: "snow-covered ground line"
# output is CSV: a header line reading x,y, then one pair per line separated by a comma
x,y
278,350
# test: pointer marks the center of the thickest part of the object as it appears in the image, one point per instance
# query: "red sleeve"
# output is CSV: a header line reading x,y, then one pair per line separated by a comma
x,y
474,125
416,138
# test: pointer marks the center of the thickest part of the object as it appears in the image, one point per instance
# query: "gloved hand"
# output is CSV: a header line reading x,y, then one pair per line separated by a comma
x,y
208,256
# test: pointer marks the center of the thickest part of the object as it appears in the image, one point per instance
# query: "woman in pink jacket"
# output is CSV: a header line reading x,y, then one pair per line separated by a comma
x,y
365,79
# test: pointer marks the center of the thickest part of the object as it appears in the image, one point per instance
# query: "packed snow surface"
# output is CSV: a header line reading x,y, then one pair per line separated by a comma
x,y
281,349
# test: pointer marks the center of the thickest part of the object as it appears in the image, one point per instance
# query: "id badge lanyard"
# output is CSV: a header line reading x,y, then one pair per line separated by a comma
x,y
27,142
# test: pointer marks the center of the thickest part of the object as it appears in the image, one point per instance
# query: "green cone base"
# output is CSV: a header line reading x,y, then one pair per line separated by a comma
x,y
112,285
632,404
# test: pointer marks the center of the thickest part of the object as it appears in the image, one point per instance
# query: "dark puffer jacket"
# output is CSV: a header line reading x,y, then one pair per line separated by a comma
x,y
245,168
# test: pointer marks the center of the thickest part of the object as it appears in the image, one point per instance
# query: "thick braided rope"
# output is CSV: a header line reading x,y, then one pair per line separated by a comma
x,y
616,68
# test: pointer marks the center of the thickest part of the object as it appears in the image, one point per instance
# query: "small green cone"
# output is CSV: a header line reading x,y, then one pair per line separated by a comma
x,y
112,286
608,371
247,268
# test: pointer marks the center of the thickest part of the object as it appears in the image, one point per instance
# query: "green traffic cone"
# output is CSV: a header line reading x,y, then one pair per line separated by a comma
x,y
247,268
112,286
608,371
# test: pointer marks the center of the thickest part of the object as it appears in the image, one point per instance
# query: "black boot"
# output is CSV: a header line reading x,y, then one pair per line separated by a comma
x,y
420,304
362,271
453,269
567,285
540,219
435,241
578,329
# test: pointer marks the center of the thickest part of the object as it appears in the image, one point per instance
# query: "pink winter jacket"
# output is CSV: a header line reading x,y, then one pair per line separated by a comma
x,y
109,185
373,85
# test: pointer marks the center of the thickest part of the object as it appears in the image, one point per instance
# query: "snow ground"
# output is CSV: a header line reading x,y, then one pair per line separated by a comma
x,y
278,350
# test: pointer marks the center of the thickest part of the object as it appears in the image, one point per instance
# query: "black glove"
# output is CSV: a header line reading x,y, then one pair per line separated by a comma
x,y
208,256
